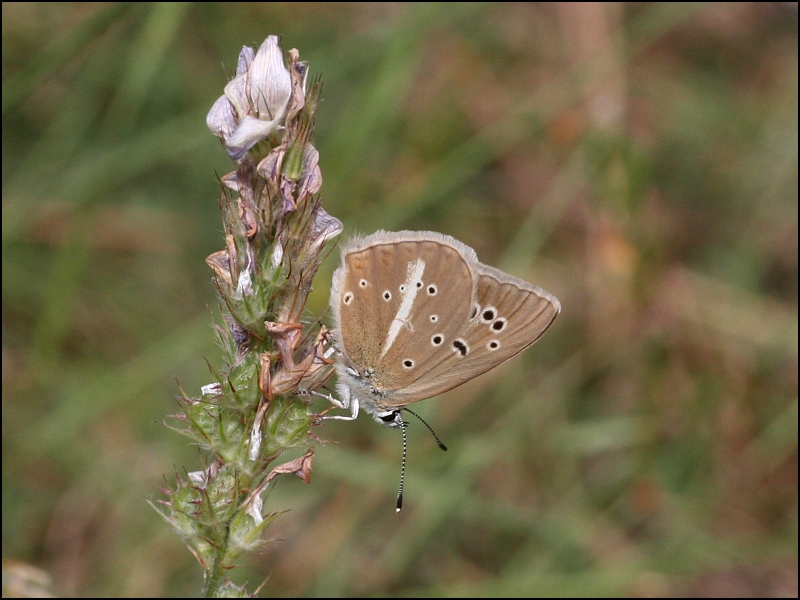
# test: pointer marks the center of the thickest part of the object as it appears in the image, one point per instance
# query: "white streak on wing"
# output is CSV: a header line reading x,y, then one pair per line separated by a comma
x,y
415,270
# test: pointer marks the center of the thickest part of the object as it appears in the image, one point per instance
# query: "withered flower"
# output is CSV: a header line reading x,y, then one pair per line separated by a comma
x,y
275,236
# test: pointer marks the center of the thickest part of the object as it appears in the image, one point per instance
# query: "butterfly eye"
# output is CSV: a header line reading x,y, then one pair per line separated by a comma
x,y
432,290
363,283
347,298
488,314
437,339
387,295
493,345
408,363
389,417
434,318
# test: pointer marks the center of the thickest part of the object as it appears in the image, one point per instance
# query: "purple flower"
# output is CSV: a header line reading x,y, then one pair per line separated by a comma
x,y
255,101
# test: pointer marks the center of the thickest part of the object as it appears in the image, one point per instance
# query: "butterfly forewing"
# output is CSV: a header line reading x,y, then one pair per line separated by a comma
x,y
364,303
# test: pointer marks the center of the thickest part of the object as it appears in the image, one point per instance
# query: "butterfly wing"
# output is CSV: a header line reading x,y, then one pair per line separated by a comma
x,y
362,316
463,320
510,315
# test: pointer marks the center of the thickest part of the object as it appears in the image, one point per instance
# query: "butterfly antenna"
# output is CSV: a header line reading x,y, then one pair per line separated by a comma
x,y
424,422
403,426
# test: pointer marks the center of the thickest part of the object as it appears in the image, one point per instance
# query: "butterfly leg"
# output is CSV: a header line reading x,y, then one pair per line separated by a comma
x,y
347,402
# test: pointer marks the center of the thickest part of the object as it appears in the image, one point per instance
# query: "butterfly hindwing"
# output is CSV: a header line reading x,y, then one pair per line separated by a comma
x,y
506,315
363,316
512,314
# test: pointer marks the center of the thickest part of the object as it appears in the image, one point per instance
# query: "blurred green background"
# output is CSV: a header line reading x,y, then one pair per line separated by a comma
x,y
639,161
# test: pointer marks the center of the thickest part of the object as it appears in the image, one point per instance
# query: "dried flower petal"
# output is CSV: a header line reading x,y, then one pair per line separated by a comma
x,y
240,334
287,192
299,72
233,256
255,432
311,178
230,181
270,167
266,375
221,265
325,228
254,508
286,337
299,466
277,254
248,218
244,287
306,371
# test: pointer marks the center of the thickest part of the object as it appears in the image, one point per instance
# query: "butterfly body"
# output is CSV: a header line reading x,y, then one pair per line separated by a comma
x,y
417,314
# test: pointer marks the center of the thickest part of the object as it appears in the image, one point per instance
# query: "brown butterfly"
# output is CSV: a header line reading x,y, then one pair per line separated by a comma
x,y
416,314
